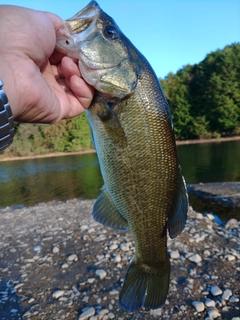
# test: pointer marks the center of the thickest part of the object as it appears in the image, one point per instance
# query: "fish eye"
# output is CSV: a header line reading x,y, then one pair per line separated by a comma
x,y
111,33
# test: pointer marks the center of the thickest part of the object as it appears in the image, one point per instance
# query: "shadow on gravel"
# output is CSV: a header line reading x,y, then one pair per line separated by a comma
x,y
9,302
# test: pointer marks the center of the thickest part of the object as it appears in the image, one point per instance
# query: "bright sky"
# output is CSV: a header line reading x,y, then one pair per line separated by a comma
x,y
170,33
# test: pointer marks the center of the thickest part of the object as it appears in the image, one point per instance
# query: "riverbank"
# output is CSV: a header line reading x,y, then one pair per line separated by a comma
x,y
59,154
57,263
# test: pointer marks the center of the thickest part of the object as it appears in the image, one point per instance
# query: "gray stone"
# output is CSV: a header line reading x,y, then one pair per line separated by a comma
x,y
215,291
198,305
195,258
213,314
101,274
72,257
87,314
226,294
210,303
57,294
174,254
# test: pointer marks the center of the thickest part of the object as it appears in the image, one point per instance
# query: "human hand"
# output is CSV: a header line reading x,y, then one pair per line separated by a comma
x,y
41,85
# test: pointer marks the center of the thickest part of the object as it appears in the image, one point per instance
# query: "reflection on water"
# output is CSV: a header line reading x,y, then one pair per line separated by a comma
x,y
28,182
210,162
40,180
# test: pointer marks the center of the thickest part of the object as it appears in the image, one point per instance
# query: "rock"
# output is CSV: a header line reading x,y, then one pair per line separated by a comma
x,y
195,258
210,216
226,294
210,303
65,266
231,224
116,258
83,227
213,314
156,312
174,254
233,299
124,247
113,292
90,280
215,291
101,274
198,305
72,257
87,314
113,246
57,294
102,313
55,249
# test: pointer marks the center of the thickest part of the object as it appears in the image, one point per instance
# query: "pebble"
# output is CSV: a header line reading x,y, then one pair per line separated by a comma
x,y
101,274
210,303
57,294
65,265
195,258
113,246
226,294
81,282
72,257
213,314
87,314
215,291
90,280
174,254
55,249
199,306
124,247
116,258
233,299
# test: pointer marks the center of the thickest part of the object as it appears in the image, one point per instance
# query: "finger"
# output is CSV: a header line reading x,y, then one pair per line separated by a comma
x,y
82,90
69,68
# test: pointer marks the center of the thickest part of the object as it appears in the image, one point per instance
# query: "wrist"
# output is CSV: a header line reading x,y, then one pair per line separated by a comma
x,y
6,120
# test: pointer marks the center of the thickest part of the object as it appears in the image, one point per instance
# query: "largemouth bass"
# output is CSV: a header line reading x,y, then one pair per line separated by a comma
x,y
132,132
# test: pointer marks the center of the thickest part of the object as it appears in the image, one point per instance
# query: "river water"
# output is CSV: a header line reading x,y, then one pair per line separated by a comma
x,y
27,182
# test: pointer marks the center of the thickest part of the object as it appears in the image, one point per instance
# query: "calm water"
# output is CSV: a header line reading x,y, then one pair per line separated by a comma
x,y
28,182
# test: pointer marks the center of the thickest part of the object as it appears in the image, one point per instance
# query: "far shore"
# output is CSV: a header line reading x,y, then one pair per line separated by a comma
x,y
59,154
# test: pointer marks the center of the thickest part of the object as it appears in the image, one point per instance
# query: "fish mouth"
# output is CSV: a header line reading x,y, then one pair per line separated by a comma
x,y
83,19
74,29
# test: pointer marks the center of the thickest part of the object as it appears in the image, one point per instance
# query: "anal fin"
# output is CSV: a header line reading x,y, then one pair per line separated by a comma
x,y
105,212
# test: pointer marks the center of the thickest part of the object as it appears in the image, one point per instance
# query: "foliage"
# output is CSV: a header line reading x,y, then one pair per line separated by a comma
x,y
205,98
66,136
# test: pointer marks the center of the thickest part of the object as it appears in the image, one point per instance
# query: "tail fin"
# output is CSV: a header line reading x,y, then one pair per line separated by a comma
x,y
145,287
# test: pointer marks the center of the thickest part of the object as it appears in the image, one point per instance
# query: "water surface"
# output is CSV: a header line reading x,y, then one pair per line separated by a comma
x,y
27,182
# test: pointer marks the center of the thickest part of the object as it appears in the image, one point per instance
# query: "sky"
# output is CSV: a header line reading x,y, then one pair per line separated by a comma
x,y
170,33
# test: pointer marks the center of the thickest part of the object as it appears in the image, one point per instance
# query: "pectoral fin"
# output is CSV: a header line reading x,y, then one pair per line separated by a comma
x,y
113,126
105,212
178,214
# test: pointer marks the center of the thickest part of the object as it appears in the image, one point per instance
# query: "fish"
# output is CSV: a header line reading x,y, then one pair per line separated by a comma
x,y
132,131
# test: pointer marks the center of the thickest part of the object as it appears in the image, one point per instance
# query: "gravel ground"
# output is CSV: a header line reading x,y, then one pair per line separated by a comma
x,y
57,263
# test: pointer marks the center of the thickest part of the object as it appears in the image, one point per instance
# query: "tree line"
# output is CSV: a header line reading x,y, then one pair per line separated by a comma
x,y
204,100
205,97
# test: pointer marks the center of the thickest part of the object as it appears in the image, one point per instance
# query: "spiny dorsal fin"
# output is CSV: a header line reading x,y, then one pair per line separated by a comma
x,y
105,212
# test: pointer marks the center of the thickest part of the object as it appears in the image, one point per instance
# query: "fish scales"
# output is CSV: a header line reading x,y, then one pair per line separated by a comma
x,y
132,132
